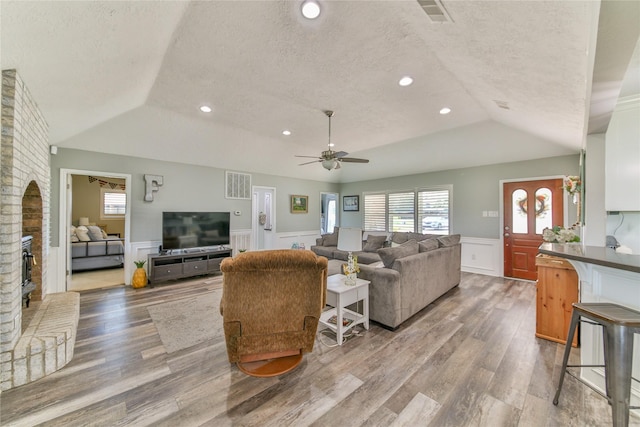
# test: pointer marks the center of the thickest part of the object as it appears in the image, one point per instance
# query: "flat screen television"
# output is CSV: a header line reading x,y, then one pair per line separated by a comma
x,y
184,230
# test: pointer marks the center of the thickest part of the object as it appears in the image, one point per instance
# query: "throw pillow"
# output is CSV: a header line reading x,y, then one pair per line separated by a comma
x,y
331,239
83,233
399,237
389,255
428,245
95,233
374,243
104,234
417,236
452,240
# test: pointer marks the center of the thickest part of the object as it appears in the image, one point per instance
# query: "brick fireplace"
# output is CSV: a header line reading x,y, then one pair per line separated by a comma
x,y
24,207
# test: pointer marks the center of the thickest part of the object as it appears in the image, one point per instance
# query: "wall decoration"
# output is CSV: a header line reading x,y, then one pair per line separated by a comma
x,y
151,184
351,203
104,183
299,204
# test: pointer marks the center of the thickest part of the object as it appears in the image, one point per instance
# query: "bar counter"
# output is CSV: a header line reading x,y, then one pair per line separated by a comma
x,y
598,255
604,276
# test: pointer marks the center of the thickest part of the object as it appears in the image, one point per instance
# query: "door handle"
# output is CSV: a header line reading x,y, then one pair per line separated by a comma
x,y
506,234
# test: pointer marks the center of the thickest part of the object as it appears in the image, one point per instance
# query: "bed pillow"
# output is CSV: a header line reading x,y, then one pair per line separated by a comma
x,y
389,255
95,233
374,243
83,233
104,234
74,236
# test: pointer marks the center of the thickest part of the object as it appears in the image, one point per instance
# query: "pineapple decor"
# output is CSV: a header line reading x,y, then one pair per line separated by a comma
x,y
139,279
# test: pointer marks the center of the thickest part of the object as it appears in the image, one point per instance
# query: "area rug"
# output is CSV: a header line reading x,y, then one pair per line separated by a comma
x,y
189,321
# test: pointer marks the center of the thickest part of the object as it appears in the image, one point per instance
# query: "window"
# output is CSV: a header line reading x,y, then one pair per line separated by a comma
x,y
425,211
433,211
113,203
402,211
375,212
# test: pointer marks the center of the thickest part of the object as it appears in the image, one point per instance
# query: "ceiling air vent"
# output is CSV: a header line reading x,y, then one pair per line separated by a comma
x,y
435,10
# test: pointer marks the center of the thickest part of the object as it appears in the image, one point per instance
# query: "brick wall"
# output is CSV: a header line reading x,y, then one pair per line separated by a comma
x,y
24,180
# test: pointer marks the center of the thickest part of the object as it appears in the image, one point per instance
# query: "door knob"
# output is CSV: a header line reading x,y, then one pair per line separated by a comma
x,y
506,228
506,234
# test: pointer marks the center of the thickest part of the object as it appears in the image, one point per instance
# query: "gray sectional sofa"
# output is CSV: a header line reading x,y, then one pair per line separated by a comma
x,y
406,274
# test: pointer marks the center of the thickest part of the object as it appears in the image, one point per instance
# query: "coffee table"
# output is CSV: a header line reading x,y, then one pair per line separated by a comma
x,y
339,296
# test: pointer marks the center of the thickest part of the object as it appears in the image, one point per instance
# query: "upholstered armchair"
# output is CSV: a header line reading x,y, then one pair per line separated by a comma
x,y
271,305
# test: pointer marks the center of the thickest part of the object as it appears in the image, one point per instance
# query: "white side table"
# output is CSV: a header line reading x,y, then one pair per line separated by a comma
x,y
339,296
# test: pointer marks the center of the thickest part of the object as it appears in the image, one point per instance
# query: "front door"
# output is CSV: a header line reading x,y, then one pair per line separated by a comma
x,y
529,208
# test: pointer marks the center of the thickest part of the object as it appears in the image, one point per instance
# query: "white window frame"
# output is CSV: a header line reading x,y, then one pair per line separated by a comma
x,y
417,215
103,215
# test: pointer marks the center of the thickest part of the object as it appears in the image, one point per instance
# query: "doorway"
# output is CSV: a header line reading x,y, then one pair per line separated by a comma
x,y
328,212
65,274
263,221
529,208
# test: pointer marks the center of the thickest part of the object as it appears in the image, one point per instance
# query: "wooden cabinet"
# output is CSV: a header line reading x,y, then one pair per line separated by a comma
x,y
556,290
186,264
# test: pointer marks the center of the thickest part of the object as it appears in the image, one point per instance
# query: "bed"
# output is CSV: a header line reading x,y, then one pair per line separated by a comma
x,y
92,249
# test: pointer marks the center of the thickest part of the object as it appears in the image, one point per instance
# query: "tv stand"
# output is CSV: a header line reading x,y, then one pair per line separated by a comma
x,y
171,266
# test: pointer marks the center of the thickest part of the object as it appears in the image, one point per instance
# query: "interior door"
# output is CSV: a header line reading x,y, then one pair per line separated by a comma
x,y
529,208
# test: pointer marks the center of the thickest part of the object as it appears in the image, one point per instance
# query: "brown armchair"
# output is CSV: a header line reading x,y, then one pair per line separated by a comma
x,y
271,305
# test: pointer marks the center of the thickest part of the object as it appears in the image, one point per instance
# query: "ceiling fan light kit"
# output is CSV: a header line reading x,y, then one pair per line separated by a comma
x,y
331,159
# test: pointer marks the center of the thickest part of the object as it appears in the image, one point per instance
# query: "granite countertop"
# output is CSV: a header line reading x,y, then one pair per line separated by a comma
x,y
593,254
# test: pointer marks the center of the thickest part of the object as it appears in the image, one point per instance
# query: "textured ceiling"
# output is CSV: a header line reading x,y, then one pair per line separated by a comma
x,y
128,78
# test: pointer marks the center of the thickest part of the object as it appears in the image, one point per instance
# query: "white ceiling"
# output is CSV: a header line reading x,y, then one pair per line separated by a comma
x,y
128,78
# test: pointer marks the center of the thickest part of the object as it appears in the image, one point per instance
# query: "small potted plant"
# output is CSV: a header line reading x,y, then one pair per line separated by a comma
x,y
139,279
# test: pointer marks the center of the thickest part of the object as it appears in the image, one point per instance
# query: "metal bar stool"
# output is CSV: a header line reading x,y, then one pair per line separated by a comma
x,y
618,326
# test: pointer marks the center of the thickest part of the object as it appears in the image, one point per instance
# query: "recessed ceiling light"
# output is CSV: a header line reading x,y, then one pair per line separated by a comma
x,y
445,110
405,81
286,132
310,9
205,109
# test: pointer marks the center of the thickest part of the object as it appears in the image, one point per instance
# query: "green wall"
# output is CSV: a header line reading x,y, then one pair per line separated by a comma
x,y
475,190
198,188
185,188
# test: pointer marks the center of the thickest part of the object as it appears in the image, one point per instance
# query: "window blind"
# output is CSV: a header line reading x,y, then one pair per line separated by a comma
x,y
375,212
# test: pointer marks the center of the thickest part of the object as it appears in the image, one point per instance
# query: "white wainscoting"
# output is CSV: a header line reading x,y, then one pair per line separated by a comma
x,y
286,240
240,239
481,256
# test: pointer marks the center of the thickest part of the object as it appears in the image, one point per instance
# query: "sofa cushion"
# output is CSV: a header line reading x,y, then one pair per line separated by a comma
x,y
446,241
389,255
325,251
374,243
418,236
428,245
367,257
331,239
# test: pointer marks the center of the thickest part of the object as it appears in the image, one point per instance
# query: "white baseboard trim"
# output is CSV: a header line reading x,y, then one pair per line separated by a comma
x,y
481,256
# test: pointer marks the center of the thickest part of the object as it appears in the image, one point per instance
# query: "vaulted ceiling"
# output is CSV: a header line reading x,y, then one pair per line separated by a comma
x,y
129,77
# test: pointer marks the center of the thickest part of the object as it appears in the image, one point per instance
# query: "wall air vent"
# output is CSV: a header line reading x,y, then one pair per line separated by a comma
x,y
435,10
238,185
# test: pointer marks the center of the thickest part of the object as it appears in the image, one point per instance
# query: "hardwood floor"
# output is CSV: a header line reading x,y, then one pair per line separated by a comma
x,y
469,359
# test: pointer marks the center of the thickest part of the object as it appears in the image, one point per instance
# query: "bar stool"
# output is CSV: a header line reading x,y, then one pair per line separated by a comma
x,y
618,326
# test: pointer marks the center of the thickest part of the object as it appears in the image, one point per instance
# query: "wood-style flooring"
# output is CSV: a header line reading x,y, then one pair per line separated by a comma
x,y
469,359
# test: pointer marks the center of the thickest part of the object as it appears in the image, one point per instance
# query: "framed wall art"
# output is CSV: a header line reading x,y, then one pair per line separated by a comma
x,y
351,203
299,204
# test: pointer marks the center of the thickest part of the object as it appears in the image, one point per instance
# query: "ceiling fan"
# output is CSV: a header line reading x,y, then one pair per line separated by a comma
x,y
331,159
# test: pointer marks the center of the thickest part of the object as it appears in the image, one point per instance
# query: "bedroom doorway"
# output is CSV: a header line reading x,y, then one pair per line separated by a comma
x,y
87,198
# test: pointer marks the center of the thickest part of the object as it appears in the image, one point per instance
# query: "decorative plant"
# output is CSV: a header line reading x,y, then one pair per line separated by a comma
x,y
139,264
558,234
572,184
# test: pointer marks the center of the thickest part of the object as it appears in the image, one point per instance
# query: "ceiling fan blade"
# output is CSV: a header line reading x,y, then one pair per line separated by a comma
x,y
337,165
308,163
311,157
353,160
340,154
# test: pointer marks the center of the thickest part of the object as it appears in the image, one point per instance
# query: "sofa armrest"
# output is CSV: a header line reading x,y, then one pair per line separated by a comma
x,y
319,241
